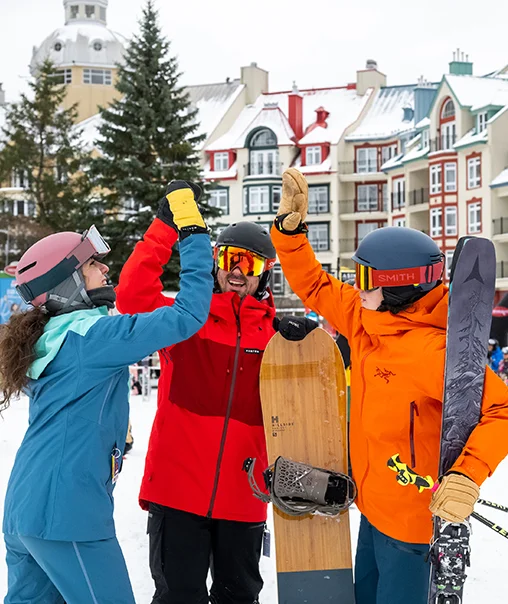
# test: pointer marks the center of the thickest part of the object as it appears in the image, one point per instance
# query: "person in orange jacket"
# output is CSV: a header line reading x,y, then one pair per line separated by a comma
x,y
397,337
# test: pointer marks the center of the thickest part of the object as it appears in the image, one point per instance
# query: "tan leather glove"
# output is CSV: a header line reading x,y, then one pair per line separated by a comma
x,y
295,199
455,498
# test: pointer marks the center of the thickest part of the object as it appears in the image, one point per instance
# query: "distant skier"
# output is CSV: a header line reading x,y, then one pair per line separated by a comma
x,y
495,355
72,359
397,335
202,514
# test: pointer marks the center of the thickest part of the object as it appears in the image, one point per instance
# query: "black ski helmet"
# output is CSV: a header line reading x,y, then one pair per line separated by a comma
x,y
253,237
397,248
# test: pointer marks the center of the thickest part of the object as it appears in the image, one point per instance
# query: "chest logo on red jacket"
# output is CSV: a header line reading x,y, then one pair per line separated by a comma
x,y
385,374
252,351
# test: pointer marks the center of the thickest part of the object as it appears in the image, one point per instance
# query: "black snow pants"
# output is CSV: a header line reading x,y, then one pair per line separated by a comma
x,y
184,547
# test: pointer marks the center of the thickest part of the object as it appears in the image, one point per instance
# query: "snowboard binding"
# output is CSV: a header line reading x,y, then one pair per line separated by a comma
x,y
298,489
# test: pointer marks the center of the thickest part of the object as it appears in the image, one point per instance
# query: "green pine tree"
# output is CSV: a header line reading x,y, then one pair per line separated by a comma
x,y
43,147
147,138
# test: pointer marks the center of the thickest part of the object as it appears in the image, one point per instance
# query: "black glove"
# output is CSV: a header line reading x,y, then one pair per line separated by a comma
x,y
295,328
180,211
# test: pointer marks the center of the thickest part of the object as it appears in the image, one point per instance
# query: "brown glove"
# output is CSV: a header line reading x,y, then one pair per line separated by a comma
x,y
455,498
295,199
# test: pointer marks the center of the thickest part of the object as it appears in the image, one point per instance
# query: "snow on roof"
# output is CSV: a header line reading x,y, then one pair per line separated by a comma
x,y
424,123
325,166
343,105
477,92
214,175
470,138
316,135
212,101
90,131
393,162
385,117
501,179
77,43
416,153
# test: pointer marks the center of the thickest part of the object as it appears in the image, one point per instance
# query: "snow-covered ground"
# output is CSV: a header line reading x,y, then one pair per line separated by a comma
x,y
489,550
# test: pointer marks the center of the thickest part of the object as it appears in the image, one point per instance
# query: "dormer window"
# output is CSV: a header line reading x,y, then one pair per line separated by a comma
x,y
448,110
263,138
221,161
481,122
263,153
97,46
313,156
447,126
425,138
58,46
74,11
90,11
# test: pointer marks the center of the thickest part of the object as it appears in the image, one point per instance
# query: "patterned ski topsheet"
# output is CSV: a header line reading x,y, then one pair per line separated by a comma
x,y
469,319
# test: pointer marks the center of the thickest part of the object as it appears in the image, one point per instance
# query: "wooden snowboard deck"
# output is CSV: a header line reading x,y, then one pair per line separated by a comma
x,y
303,394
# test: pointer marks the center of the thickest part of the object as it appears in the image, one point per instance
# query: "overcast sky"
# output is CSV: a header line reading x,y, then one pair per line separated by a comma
x,y
315,42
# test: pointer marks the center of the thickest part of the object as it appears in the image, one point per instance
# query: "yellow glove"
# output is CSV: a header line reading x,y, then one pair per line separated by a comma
x,y
182,197
455,498
295,199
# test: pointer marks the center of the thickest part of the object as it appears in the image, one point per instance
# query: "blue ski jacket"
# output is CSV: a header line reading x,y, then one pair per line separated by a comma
x,y
61,485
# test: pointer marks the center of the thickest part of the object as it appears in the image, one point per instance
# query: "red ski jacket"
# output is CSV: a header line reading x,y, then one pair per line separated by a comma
x,y
208,418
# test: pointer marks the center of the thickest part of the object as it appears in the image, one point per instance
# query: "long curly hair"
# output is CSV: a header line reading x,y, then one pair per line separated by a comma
x,y
17,341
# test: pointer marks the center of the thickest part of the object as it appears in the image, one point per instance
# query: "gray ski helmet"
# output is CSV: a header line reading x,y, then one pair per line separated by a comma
x,y
399,248
253,237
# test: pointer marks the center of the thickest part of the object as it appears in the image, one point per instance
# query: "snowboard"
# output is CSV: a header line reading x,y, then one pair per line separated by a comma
x,y
303,396
471,298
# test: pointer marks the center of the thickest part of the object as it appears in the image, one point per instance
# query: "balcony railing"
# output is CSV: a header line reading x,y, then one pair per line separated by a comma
x,y
265,168
398,200
500,226
502,270
444,142
418,196
351,206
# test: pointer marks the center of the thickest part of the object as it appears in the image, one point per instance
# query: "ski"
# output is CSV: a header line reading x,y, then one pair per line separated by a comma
x,y
471,298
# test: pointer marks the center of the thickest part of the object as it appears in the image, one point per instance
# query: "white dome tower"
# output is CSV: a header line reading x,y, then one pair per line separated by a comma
x,y
86,54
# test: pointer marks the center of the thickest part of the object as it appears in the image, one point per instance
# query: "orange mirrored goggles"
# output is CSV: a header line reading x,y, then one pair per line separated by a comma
x,y
251,264
368,278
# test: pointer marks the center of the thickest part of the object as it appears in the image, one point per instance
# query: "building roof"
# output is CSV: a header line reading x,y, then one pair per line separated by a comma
x,y
385,117
476,92
501,179
91,44
471,138
213,101
271,110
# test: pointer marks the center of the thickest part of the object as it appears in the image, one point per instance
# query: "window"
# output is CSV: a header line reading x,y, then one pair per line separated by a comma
x,y
450,177
425,138
474,217
102,12
313,156
97,46
451,221
448,262
481,122
367,198
399,193
436,222
399,222
264,162
448,110
74,11
57,47
19,179
258,199
366,160
318,200
385,197
319,236
388,152
219,198
263,138
474,172
435,179
276,195
97,76
448,136
364,228
63,76
90,11
221,162
277,283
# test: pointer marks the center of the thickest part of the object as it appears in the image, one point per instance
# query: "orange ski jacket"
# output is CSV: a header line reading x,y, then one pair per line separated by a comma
x,y
397,378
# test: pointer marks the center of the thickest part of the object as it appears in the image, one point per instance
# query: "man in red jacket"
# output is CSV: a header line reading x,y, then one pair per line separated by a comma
x,y
202,514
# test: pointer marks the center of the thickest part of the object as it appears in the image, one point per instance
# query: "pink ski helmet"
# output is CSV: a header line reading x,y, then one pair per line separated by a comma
x,y
53,259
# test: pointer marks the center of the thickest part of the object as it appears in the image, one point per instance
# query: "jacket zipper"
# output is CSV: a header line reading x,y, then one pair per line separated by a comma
x,y
228,410
412,410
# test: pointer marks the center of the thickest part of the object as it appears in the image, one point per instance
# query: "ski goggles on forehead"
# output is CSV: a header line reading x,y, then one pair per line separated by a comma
x,y
368,278
92,245
251,264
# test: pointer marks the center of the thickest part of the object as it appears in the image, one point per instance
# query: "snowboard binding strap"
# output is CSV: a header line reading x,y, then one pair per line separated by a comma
x,y
298,489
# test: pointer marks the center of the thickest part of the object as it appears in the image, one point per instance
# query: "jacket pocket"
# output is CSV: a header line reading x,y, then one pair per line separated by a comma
x,y
155,530
413,411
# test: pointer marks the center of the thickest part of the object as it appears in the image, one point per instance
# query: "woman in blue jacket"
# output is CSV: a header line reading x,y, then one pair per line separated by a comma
x,y
72,359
